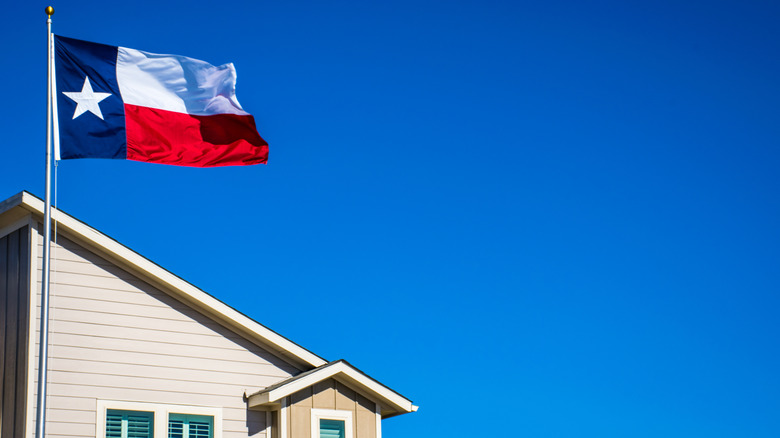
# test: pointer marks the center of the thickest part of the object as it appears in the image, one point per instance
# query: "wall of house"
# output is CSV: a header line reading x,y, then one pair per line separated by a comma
x,y
114,337
330,394
14,331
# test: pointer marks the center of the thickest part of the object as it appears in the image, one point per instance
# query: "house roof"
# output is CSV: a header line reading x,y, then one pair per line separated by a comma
x,y
20,205
392,402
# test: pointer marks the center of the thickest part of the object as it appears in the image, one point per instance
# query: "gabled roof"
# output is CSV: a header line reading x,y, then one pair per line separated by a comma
x,y
19,205
392,402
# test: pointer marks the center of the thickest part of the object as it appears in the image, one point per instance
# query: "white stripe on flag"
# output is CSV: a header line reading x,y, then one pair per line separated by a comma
x,y
176,83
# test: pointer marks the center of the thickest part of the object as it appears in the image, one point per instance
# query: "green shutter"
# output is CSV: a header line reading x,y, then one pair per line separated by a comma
x,y
129,424
175,428
332,428
199,429
113,425
190,426
139,426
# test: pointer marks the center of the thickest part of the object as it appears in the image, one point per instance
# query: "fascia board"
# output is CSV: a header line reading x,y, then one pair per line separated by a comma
x,y
158,276
340,371
11,202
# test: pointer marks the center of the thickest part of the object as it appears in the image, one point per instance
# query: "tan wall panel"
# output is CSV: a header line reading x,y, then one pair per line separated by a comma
x,y
345,400
324,395
365,404
366,424
302,398
345,397
331,394
300,422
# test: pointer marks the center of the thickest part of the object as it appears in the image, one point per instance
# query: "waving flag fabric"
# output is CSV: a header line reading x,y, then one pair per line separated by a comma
x,y
115,102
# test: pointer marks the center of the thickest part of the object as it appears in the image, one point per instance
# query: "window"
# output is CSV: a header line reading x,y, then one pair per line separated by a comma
x,y
190,426
329,423
129,424
332,428
150,420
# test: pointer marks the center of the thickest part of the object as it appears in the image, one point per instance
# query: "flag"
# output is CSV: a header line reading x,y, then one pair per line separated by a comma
x,y
115,102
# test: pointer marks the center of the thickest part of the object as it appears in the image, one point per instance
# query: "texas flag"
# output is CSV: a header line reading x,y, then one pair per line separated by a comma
x,y
115,102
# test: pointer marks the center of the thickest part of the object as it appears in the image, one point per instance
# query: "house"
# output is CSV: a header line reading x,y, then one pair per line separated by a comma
x,y
135,351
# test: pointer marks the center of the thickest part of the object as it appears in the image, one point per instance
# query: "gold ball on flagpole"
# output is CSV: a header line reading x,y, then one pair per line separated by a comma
x,y
49,11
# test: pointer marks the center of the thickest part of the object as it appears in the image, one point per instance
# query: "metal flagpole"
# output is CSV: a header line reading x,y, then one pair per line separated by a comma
x,y
43,344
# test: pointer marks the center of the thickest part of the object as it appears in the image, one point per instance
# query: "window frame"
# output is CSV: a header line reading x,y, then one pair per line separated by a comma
x,y
331,414
124,415
187,419
160,415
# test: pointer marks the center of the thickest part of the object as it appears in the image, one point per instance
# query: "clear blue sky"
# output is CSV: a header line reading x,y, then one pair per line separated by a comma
x,y
537,219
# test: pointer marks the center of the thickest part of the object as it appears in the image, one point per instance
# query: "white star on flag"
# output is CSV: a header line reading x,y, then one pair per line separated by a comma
x,y
87,100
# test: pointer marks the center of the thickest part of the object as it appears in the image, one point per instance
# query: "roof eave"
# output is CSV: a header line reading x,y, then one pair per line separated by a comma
x,y
393,403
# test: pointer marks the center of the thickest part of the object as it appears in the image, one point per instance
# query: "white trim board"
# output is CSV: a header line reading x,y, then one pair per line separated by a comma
x,y
283,420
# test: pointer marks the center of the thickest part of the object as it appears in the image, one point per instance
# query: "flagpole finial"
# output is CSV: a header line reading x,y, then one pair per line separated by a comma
x,y
49,11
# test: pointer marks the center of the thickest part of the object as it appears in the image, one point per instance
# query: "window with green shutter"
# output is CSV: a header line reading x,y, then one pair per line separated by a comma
x,y
129,424
190,426
331,423
332,428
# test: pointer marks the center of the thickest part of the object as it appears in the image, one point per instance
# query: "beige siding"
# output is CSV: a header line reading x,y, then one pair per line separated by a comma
x,y
115,337
330,394
14,324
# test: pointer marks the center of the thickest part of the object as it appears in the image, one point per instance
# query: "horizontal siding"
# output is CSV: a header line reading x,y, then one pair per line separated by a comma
x,y
81,409
104,306
72,416
114,337
146,395
70,429
161,372
92,292
80,328
145,383
161,348
156,360
99,282
96,317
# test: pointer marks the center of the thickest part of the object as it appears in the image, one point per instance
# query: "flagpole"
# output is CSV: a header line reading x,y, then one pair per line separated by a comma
x,y
43,344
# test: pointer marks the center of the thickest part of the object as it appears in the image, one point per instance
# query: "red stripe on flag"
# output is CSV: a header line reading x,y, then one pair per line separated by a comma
x,y
167,137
